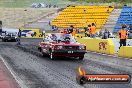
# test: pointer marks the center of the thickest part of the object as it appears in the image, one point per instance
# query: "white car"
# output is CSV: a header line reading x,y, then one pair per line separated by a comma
x,y
27,33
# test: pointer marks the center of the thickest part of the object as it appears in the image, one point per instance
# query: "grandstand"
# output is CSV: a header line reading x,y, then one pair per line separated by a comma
x,y
81,16
124,18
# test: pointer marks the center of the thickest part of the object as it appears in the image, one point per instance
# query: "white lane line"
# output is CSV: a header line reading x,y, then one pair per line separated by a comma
x,y
109,55
18,80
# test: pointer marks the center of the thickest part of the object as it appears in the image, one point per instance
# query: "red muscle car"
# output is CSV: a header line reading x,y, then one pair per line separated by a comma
x,y
61,45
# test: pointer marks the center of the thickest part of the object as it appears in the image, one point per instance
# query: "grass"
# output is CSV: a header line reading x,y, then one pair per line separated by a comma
x,y
62,3
17,17
27,3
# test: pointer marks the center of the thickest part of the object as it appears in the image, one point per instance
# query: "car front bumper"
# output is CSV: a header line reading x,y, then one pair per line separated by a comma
x,y
69,53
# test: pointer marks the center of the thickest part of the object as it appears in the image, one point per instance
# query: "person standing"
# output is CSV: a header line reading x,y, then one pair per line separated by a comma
x,y
18,38
92,30
74,32
65,31
43,34
123,34
0,27
106,34
70,30
85,31
19,33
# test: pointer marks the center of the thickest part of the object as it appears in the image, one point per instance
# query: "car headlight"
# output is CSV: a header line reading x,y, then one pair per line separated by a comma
x,y
82,47
58,47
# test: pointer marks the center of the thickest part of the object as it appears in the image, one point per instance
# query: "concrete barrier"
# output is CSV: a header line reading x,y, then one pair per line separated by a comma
x,y
125,51
98,45
80,35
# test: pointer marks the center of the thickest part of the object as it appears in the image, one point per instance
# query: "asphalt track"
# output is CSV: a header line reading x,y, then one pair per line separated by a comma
x,y
34,71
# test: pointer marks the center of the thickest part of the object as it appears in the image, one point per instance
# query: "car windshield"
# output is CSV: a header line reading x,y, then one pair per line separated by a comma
x,y
62,37
10,35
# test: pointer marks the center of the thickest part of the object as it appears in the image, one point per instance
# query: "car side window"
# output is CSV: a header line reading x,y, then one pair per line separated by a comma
x,y
53,37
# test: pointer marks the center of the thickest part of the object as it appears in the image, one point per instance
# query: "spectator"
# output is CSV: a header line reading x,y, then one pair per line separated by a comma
x,y
54,28
70,30
100,33
88,32
74,32
106,34
78,30
35,33
19,33
85,31
49,23
65,31
92,31
123,36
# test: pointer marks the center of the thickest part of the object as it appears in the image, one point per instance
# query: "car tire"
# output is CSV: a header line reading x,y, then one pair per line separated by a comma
x,y
43,54
39,49
6,40
81,57
15,40
3,40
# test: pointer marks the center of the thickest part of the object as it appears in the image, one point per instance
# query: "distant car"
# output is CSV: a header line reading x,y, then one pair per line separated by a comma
x,y
2,35
38,5
34,5
27,33
9,37
62,45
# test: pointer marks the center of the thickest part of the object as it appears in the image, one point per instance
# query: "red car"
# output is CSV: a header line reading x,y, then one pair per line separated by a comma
x,y
61,45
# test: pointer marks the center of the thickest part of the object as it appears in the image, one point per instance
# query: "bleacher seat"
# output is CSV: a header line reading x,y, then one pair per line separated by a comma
x,y
81,16
124,18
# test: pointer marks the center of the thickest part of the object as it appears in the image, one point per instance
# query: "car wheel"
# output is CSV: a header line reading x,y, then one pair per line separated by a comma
x,y
81,57
15,40
2,40
5,40
43,54
39,49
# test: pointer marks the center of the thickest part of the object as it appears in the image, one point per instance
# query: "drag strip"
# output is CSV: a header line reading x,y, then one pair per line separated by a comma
x,y
40,72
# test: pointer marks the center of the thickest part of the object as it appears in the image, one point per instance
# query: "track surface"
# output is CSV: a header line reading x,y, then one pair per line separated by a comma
x,y
35,71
